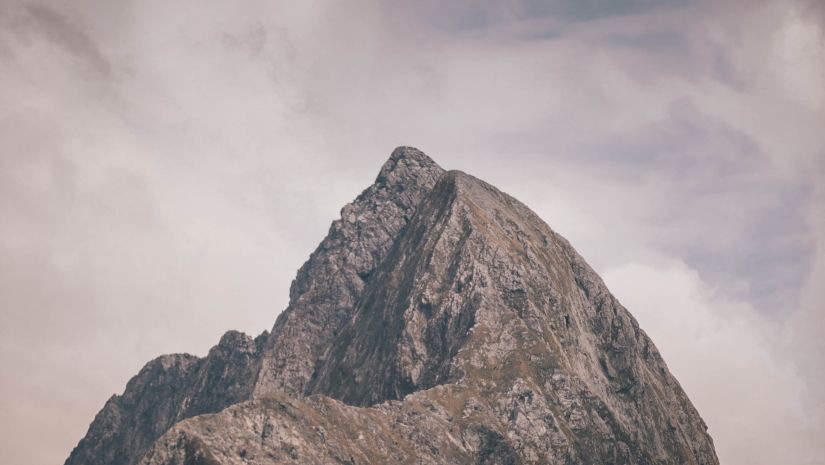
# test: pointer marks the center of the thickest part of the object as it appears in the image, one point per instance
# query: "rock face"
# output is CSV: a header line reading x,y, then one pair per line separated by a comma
x,y
328,287
168,389
440,322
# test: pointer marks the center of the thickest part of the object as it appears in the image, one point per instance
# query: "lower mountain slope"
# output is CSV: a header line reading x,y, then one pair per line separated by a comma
x,y
481,336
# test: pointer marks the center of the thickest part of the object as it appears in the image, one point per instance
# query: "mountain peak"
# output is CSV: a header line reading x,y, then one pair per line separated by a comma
x,y
406,156
328,286
407,166
440,321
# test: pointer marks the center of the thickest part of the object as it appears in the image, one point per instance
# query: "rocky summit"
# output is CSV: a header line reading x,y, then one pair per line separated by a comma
x,y
439,322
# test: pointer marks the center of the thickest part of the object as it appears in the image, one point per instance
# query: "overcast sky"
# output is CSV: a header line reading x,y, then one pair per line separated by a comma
x,y
166,167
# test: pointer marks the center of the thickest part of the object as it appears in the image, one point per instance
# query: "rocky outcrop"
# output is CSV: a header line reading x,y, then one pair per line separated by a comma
x,y
441,321
329,285
167,390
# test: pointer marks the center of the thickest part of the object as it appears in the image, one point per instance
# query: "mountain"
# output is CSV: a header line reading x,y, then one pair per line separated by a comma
x,y
440,321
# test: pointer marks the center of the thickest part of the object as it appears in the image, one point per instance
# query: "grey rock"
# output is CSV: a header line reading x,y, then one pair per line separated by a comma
x,y
322,297
167,390
441,321
329,285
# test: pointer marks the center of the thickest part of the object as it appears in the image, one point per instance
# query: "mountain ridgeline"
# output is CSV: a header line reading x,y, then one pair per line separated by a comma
x,y
439,322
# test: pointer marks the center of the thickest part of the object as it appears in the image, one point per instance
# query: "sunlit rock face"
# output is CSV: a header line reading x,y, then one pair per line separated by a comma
x,y
440,321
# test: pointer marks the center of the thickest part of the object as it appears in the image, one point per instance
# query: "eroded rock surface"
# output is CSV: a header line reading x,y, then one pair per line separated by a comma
x,y
168,389
441,321
329,285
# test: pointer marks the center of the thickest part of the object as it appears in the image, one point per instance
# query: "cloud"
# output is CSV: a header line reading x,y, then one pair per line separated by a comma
x,y
474,15
60,31
165,169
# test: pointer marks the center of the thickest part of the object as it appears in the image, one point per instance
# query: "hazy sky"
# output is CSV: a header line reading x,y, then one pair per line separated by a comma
x,y
166,167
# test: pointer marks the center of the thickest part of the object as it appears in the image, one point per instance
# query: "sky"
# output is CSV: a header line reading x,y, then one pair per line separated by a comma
x,y
166,167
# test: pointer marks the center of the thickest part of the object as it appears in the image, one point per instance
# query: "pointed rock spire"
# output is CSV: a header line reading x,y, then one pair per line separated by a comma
x,y
329,284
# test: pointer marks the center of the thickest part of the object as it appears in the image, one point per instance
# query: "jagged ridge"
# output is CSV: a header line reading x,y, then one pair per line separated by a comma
x,y
167,390
321,299
330,283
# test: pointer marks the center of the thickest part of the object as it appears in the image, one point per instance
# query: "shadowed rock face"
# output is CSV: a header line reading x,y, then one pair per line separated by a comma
x,y
440,321
329,285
